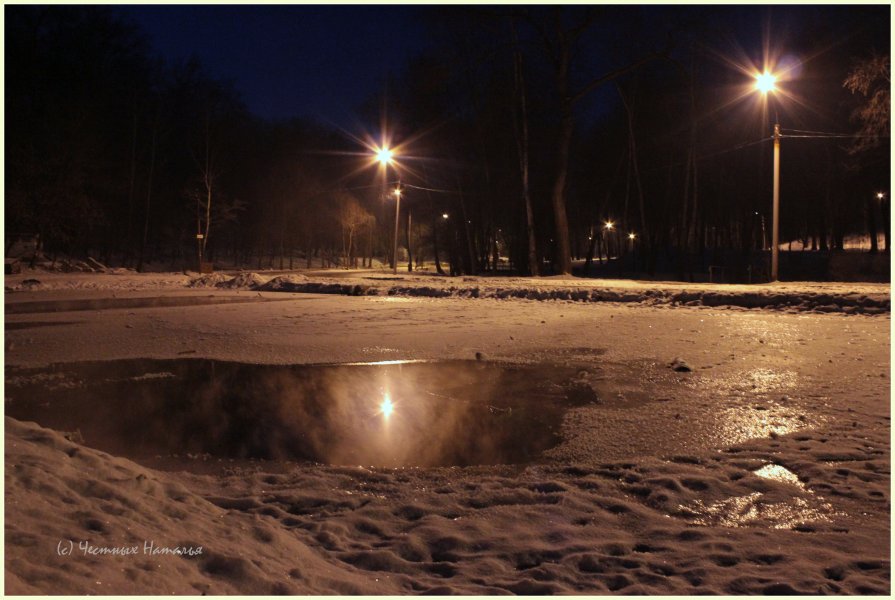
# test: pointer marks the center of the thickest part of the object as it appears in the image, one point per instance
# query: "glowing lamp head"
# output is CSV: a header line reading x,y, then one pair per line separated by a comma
x,y
384,156
397,192
880,195
444,216
765,82
631,236
609,225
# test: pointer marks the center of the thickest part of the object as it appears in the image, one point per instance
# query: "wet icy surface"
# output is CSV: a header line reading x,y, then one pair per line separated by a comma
x,y
765,469
394,413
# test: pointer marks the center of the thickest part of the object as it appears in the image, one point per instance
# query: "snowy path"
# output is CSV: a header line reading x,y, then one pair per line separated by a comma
x,y
765,469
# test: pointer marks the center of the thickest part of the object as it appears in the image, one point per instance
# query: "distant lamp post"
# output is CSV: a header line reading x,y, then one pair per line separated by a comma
x,y
632,236
397,216
445,216
880,195
766,83
608,226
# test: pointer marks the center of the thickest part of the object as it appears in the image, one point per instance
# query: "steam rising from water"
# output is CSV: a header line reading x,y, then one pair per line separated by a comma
x,y
429,414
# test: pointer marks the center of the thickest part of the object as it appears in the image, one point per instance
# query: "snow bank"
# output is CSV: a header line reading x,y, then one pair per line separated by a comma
x,y
79,521
733,523
847,298
779,297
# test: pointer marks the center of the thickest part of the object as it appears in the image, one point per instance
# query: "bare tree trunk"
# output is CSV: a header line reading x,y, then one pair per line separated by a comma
x,y
128,251
470,246
887,230
632,146
438,268
148,195
870,206
408,240
522,148
558,196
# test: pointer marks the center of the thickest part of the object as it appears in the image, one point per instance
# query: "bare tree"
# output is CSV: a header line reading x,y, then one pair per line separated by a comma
x,y
560,45
353,218
521,131
871,79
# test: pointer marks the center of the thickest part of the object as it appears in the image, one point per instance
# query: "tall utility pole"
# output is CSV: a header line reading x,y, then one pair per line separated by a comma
x,y
775,227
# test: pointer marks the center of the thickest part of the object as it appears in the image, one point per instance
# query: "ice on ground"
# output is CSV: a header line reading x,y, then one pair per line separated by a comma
x,y
784,419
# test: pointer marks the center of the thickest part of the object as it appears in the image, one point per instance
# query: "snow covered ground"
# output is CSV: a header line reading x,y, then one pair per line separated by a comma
x,y
765,468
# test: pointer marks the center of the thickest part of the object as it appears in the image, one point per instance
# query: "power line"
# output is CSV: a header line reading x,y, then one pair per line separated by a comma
x,y
425,189
831,136
737,147
807,131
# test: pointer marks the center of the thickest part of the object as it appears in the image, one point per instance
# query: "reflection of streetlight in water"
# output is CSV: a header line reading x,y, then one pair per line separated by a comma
x,y
386,407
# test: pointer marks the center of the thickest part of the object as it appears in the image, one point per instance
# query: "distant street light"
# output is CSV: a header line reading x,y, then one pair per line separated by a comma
x,y
608,226
444,216
397,215
631,236
765,83
880,195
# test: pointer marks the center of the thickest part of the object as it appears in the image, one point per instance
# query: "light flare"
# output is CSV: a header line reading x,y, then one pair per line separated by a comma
x,y
385,156
765,82
386,407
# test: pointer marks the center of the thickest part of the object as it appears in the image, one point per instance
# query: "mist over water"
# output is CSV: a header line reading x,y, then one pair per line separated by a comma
x,y
419,414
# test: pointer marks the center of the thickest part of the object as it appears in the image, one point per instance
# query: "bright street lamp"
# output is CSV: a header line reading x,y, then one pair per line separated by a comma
x,y
765,83
384,156
631,236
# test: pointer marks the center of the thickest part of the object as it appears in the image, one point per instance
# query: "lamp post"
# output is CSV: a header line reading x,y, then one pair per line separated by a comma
x,y
608,227
397,216
385,156
766,83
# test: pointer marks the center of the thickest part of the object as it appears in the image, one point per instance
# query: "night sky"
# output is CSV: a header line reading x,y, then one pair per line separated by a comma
x,y
323,62
288,61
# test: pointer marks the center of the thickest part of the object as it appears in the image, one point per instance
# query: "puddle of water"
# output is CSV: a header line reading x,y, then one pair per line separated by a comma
x,y
33,324
388,414
46,306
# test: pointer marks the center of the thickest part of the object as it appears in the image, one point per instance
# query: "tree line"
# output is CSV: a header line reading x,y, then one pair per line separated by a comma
x,y
524,132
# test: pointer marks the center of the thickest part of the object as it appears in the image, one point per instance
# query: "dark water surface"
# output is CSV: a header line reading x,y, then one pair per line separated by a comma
x,y
385,414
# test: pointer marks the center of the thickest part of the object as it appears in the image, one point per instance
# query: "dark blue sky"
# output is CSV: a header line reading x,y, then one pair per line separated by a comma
x,y
324,61
314,61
